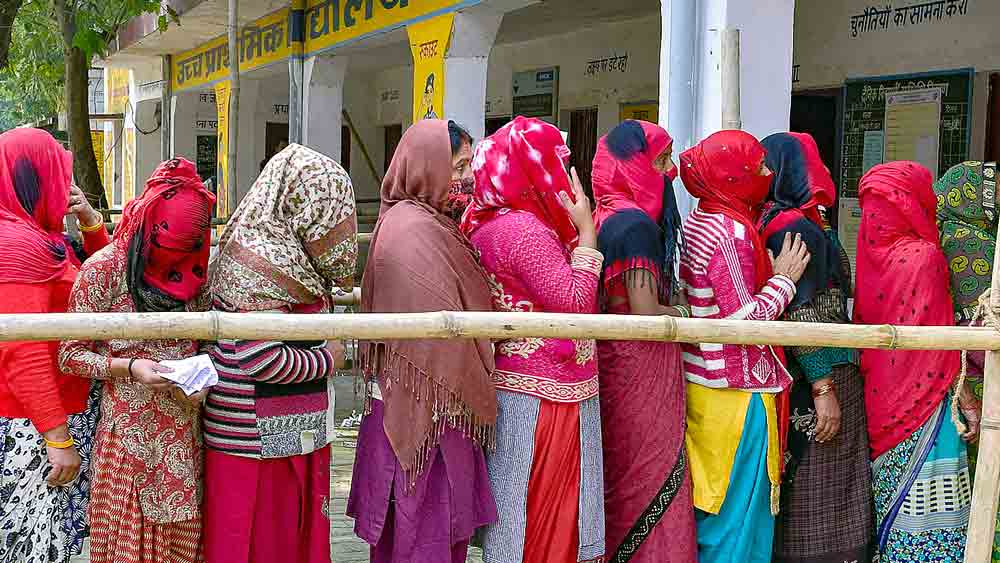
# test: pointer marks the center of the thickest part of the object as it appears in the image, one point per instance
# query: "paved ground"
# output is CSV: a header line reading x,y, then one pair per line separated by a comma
x,y
347,548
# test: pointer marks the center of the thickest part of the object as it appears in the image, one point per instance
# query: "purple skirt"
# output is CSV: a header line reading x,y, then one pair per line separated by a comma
x,y
434,522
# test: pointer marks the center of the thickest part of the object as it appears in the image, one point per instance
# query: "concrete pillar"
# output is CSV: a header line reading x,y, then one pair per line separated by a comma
x,y
690,69
322,103
465,67
249,127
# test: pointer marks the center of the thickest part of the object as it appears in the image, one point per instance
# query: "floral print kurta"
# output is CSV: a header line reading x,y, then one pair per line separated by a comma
x,y
160,432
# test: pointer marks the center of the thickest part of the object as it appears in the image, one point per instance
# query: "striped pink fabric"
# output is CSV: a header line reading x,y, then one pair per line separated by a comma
x,y
269,395
717,270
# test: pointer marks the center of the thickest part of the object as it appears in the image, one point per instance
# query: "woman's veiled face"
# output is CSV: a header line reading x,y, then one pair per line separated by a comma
x,y
461,163
665,162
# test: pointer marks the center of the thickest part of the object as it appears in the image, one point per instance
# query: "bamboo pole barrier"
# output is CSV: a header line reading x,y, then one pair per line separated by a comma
x,y
446,324
986,489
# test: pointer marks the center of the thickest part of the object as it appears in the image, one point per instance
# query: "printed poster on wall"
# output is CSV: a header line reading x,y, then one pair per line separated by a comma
x,y
848,227
913,127
642,112
221,180
429,44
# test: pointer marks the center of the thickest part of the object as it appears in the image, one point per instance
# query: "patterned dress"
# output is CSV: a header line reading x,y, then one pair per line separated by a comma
x,y
146,500
967,219
547,471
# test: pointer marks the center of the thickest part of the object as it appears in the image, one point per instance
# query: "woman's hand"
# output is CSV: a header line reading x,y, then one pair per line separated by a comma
x,y
827,412
970,407
65,462
65,465
792,260
79,206
148,373
580,212
339,352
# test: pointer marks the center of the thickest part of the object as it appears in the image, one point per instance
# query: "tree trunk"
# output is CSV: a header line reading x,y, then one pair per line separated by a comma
x,y
78,117
8,11
85,169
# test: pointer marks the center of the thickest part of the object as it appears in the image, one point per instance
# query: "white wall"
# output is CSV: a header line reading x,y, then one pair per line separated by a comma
x,y
827,53
640,38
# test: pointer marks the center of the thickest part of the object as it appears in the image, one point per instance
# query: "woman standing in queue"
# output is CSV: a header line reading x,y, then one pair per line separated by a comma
x,y
533,228
146,501
47,420
826,484
967,223
420,488
920,465
733,424
647,483
268,423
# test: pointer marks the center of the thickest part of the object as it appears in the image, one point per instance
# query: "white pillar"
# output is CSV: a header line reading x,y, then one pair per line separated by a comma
x,y
249,129
323,103
466,65
690,69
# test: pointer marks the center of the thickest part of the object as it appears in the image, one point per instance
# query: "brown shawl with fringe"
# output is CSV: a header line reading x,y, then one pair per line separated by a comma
x,y
420,262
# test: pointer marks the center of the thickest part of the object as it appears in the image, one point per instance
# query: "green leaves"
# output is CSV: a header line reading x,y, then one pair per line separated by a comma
x,y
32,84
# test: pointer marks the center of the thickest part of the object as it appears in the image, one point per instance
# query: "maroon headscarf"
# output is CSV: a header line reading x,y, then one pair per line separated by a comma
x,y
419,262
35,176
903,278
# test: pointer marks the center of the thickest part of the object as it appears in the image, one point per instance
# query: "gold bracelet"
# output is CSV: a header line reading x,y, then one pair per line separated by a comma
x,y
92,228
60,445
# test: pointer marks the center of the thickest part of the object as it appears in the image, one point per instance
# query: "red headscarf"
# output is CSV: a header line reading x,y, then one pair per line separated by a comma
x,y
824,192
521,167
722,172
35,175
172,218
632,183
903,276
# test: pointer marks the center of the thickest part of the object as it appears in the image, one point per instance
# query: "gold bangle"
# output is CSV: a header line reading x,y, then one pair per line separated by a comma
x,y
60,445
92,228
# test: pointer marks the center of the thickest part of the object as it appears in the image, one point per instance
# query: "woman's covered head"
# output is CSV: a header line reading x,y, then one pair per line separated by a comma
x,y
727,168
523,167
37,174
422,167
462,182
166,232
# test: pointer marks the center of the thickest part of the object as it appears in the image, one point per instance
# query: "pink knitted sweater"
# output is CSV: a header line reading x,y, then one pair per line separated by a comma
x,y
531,271
717,269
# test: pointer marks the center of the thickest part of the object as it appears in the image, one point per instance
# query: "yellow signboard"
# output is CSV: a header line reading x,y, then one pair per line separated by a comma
x,y
643,112
221,178
128,165
97,140
429,43
263,42
329,22
117,94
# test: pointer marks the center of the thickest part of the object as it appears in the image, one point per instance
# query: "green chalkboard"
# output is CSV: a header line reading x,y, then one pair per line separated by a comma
x,y
864,112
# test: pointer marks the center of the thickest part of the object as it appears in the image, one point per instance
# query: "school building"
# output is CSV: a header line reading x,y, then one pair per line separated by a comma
x,y
911,79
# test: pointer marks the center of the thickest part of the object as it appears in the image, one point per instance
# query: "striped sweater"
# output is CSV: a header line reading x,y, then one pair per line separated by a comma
x,y
272,400
717,270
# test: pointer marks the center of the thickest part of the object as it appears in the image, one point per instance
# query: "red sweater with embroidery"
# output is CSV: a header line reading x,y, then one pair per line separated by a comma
x,y
31,385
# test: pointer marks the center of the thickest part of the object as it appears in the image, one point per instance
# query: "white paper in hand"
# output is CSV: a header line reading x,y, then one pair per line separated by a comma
x,y
192,374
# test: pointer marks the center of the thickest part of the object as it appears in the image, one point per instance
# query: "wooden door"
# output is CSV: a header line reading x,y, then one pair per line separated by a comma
x,y
583,144
393,133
